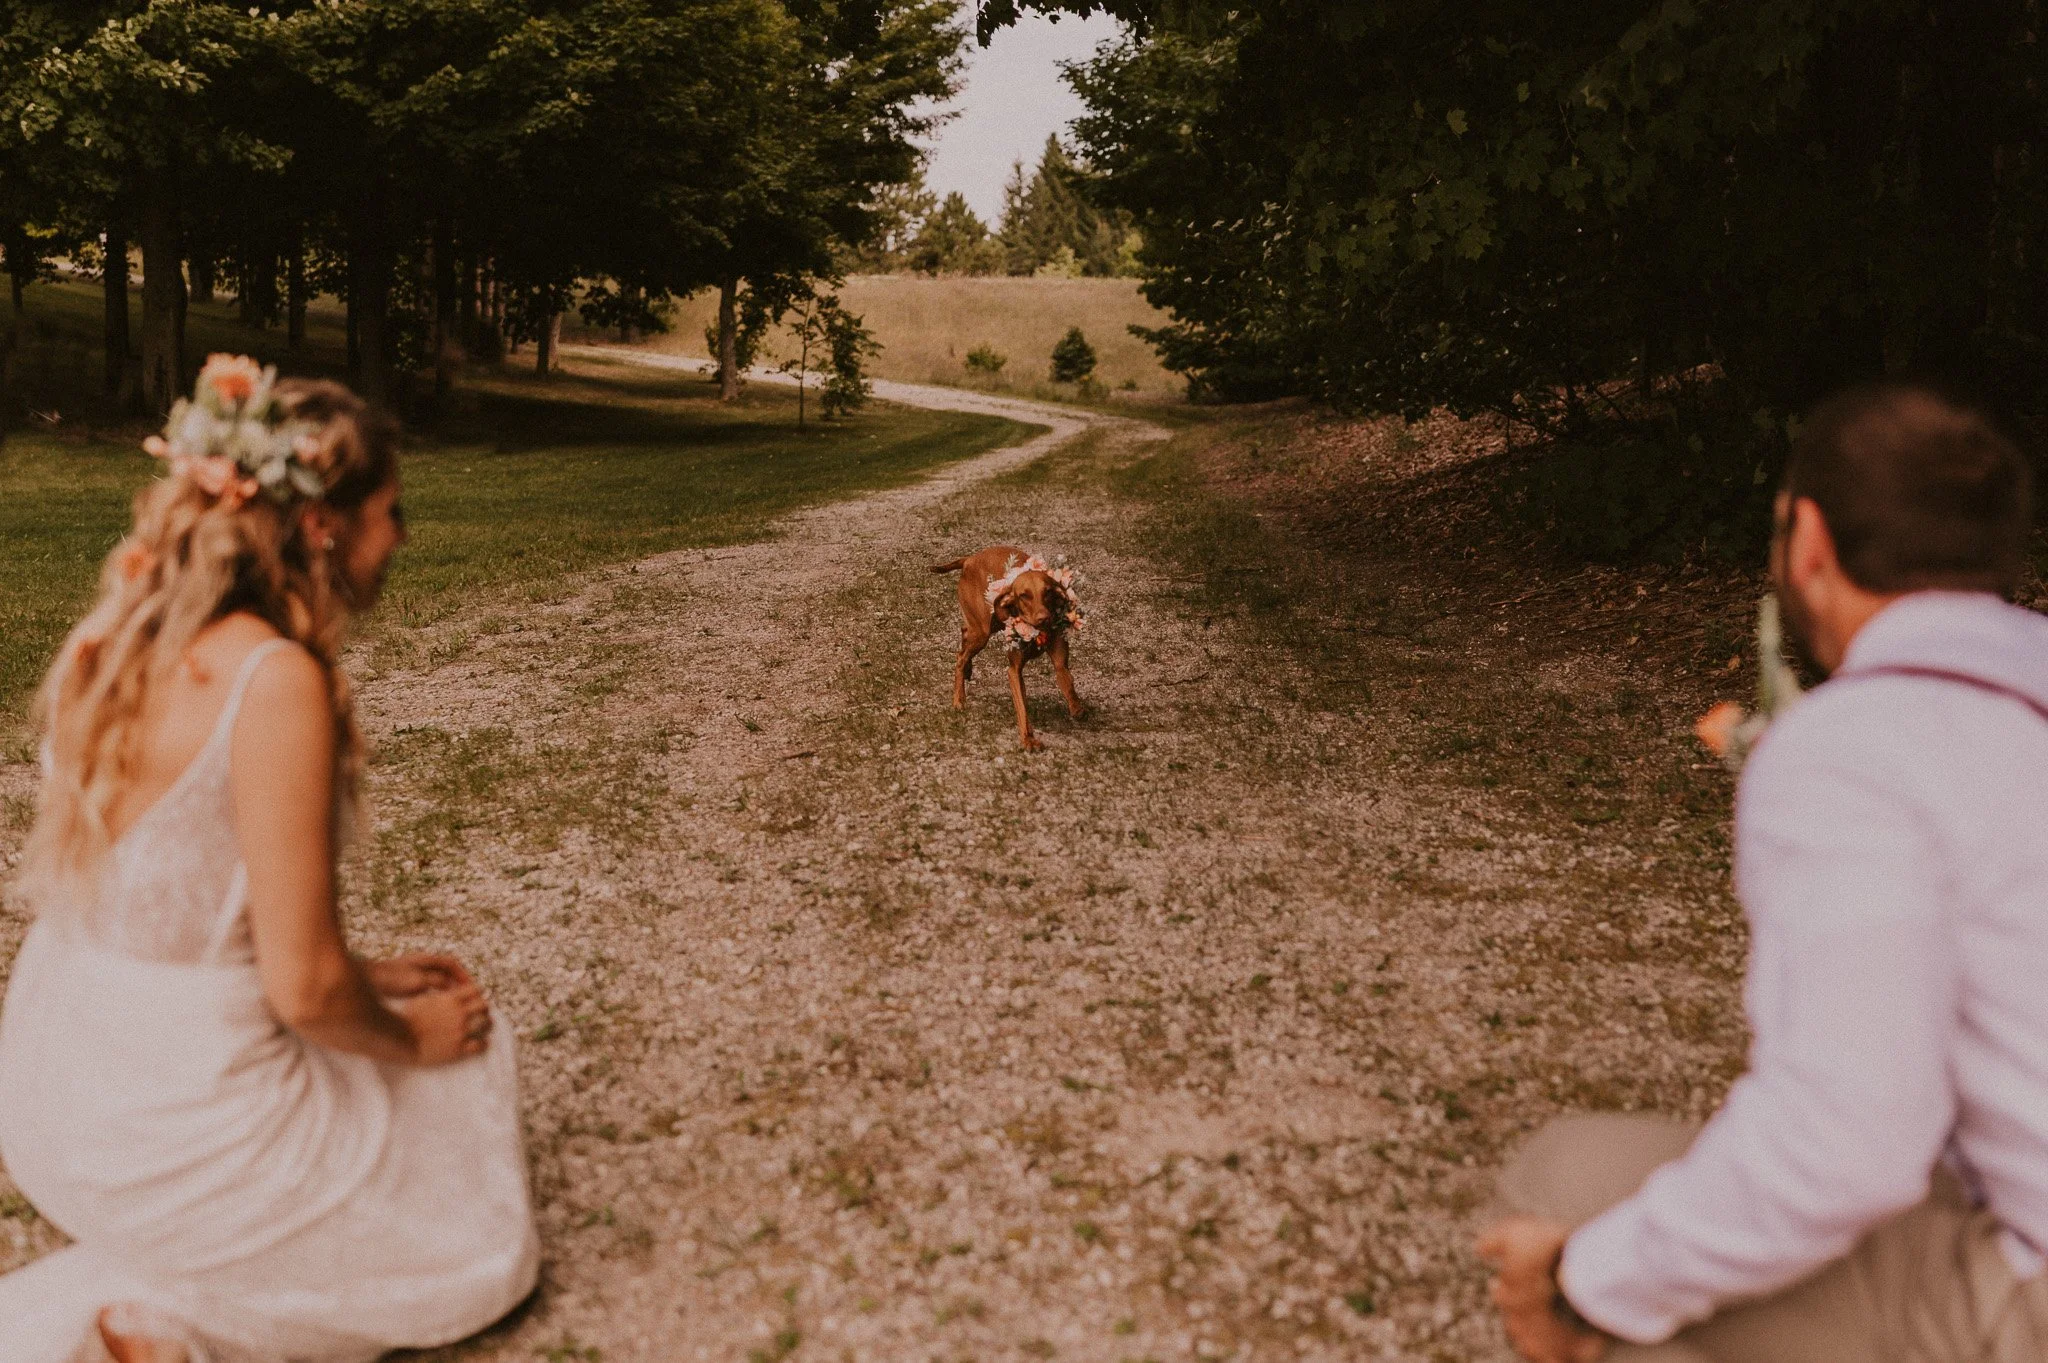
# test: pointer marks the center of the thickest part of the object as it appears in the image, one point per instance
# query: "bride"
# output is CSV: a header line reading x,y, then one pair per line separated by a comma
x,y
263,1147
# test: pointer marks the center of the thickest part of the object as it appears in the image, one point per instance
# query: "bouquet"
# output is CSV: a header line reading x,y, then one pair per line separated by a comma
x,y
1731,732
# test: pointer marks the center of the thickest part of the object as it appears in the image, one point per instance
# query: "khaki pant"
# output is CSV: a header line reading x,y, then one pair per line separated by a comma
x,y
1929,1286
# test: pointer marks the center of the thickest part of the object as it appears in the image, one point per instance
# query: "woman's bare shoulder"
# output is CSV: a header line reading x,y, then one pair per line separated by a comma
x,y
288,680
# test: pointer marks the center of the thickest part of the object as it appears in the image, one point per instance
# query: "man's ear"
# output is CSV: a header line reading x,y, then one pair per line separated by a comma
x,y
1810,553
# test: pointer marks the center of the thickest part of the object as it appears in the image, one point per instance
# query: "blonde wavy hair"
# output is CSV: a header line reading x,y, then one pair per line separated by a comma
x,y
193,556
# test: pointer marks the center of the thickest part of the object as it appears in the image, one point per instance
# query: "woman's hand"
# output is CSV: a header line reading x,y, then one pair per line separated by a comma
x,y
446,1024
403,977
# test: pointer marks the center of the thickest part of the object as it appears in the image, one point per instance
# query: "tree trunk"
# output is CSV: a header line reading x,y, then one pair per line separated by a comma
x,y
263,287
114,284
471,293
205,274
256,289
295,294
371,264
803,373
728,341
163,296
447,341
21,266
550,337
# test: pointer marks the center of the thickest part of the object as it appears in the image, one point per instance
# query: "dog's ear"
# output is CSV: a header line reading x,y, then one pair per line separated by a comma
x,y
1004,607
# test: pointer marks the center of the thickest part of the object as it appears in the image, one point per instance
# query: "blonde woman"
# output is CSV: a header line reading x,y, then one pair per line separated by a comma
x,y
264,1147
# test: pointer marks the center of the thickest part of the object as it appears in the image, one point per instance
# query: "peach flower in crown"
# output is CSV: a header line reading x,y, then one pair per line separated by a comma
x,y
233,440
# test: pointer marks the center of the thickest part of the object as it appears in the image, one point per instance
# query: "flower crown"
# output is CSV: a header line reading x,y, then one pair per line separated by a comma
x,y
1016,633
233,439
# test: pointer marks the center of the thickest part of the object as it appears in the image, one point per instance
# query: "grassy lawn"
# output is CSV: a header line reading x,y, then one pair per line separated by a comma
x,y
524,482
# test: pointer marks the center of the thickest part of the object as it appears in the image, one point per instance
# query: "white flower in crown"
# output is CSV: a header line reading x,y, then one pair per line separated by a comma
x,y
1013,570
232,439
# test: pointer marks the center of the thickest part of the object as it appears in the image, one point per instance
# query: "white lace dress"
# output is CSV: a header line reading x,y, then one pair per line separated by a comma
x,y
274,1199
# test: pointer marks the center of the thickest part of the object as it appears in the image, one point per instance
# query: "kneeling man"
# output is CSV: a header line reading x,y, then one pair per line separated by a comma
x,y
1876,1185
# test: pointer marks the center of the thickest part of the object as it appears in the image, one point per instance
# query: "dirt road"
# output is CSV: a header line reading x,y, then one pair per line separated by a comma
x,y
851,1032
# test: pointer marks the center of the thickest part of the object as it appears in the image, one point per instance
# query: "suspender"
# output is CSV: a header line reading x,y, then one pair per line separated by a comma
x,y
1960,678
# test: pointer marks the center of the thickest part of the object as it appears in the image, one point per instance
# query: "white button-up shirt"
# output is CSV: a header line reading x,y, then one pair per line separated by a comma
x,y
1891,838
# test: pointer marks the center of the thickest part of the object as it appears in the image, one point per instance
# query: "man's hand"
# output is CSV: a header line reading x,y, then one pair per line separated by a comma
x,y
1524,1252
405,977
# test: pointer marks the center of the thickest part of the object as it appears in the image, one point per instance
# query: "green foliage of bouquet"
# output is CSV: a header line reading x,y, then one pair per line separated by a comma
x,y
1729,731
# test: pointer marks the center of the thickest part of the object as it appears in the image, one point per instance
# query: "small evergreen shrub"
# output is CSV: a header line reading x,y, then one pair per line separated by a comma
x,y
1073,359
986,359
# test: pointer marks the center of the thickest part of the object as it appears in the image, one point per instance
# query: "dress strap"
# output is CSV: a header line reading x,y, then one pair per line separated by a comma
x,y
244,677
238,887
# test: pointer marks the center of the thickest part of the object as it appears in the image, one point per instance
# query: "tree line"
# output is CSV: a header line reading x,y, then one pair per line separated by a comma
x,y
1539,210
1050,226
457,172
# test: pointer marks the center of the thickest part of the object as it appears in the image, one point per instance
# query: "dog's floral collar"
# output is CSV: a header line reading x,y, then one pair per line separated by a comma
x,y
232,439
1016,635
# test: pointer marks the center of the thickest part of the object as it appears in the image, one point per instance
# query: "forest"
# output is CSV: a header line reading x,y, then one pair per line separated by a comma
x,y
1645,235
1050,227
457,172
1658,228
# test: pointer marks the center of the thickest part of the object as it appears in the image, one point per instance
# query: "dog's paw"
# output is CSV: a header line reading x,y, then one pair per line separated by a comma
x,y
1033,743
1080,711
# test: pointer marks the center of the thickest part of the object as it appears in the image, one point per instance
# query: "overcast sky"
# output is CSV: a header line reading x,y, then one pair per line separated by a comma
x,y
1013,98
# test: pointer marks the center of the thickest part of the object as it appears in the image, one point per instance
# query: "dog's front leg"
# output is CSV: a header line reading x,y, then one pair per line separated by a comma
x,y
1032,743
1065,677
963,666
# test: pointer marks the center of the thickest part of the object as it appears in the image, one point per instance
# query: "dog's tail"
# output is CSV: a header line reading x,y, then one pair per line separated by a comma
x,y
955,566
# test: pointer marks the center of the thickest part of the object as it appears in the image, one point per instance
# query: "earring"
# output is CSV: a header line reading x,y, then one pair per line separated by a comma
x,y
327,545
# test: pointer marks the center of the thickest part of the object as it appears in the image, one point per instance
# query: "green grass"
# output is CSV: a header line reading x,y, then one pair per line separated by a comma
x,y
62,507
524,483
607,464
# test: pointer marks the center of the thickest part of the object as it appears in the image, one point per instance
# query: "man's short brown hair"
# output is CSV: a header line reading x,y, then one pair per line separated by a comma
x,y
1919,492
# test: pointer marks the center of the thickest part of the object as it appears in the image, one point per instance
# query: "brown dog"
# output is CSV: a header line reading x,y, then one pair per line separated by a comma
x,y
1005,591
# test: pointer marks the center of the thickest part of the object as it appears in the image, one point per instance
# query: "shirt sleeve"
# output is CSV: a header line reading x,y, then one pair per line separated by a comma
x,y
1848,1102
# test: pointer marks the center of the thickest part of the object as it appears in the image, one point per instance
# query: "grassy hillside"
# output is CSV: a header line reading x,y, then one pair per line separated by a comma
x,y
927,327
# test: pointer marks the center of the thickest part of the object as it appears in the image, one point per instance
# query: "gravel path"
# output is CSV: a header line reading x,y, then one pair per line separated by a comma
x,y
851,1032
